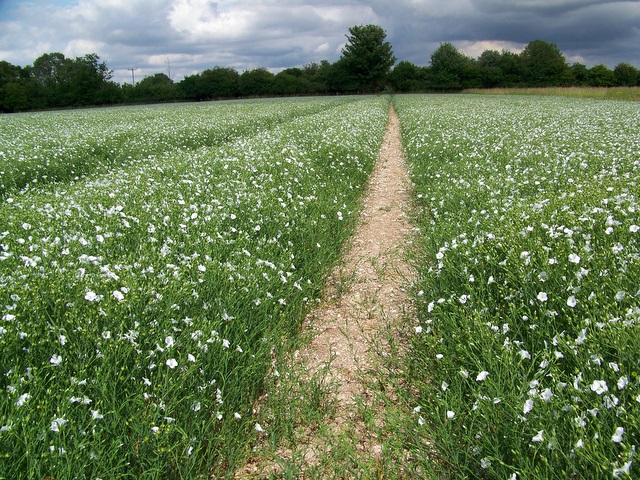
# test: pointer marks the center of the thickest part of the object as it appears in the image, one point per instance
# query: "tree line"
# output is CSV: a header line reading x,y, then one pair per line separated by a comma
x,y
367,65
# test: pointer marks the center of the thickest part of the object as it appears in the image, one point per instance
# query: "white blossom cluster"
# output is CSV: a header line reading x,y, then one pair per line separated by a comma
x,y
530,217
140,301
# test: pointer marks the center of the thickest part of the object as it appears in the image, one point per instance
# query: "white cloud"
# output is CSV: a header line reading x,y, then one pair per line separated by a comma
x,y
322,49
79,47
201,20
475,49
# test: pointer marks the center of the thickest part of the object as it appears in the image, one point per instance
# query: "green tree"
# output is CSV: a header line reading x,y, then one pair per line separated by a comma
x,y
256,82
188,88
14,97
14,92
291,81
65,82
366,58
155,88
219,82
489,69
312,74
406,77
625,75
340,79
601,76
544,65
580,74
450,68
87,80
511,67
318,75
50,72
49,67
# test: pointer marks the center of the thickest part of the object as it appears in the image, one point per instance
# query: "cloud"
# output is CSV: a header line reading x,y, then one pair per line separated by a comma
x,y
201,20
273,34
542,7
589,31
191,35
288,22
474,49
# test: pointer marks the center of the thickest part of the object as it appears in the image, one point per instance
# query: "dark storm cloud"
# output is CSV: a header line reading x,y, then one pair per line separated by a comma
x,y
602,32
587,31
187,36
545,7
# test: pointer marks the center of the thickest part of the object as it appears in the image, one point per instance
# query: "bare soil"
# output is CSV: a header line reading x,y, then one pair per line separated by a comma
x,y
353,326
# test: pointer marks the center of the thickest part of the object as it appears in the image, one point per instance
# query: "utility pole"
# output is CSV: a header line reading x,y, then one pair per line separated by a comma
x,y
133,78
168,64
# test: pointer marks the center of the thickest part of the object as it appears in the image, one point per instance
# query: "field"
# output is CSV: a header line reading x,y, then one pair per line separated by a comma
x,y
156,261
527,350
601,93
148,278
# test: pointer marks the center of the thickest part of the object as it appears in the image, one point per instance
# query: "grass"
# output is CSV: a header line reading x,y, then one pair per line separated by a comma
x,y
300,445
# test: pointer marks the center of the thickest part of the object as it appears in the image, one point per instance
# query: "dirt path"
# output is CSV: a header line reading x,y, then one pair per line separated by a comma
x,y
353,330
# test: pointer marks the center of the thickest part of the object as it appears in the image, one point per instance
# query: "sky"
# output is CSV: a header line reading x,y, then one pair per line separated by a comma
x,y
184,37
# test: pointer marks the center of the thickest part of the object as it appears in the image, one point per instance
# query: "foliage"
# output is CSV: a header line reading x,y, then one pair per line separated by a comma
x,y
290,82
214,83
490,72
156,88
601,76
406,77
255,82
367,57
64,81
580,74
626,75
450,69
544,65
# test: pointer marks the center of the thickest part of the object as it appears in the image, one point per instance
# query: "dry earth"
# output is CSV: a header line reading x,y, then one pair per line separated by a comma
x,y
352,327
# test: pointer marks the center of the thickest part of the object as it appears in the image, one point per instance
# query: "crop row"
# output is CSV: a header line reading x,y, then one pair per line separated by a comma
x,y
527,350
43,148
141,306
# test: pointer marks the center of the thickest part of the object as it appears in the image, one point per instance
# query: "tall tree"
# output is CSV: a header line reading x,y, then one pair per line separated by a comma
x,y
49,68
87,80
367,57
489,69
318,75
544,65
626,75
511,67
290,82
450,68
219,82
341,79
65,82
14,91
601,76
